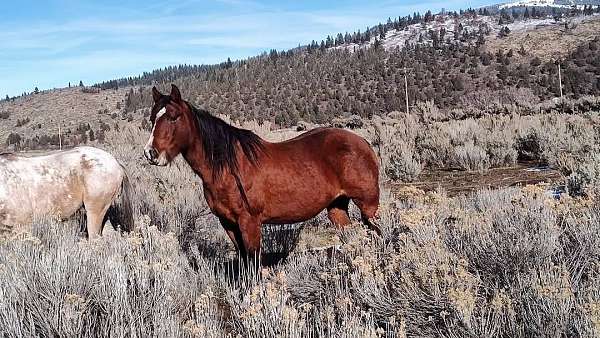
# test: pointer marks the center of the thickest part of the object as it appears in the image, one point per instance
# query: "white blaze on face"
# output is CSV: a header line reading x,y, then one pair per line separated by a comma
x,y
162,157
158,116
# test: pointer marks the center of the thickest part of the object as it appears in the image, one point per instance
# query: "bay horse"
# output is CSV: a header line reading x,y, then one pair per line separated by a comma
x,y
249,181
58,184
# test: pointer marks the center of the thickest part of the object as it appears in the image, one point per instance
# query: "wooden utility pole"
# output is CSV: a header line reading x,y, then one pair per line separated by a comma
x,y
59,137
560,82
406,89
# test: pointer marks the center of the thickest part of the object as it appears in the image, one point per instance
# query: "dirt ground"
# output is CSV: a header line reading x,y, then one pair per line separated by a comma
x,y
456,182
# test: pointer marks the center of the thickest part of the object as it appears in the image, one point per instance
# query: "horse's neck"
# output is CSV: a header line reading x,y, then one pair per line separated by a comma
x,y
195,157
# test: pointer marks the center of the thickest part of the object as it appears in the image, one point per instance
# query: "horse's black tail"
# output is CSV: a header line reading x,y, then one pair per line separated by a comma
x,y
120,212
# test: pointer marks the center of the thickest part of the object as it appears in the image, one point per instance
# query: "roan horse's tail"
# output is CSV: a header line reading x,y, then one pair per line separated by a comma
x,y
120,213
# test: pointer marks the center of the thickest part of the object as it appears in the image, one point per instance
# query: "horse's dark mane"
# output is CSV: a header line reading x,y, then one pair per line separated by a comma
x,y
219,141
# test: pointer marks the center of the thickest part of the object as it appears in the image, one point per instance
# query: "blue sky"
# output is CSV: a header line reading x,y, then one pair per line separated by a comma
x,y
49,43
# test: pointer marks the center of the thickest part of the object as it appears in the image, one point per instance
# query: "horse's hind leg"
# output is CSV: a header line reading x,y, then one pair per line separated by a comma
x,y
95,221
95,212
337,212
368,210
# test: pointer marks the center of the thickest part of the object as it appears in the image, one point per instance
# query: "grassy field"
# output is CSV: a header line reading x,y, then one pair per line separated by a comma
x,y
510,262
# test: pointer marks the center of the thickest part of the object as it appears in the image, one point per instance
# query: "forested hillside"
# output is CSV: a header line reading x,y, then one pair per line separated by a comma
x,y
449,65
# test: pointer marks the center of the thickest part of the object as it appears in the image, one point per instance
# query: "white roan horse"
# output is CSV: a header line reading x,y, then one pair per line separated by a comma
x,y
59,183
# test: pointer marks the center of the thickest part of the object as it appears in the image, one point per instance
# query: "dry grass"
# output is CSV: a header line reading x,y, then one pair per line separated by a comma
x,y
472,266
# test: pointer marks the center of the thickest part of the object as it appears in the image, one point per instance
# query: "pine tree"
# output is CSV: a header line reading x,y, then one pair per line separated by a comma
x,y
328,42
80,83
428,16
36,90
504,32
339,40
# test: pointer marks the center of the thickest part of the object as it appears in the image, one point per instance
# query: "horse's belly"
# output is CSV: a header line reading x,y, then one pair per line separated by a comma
x,y
23,203
297,206
290,218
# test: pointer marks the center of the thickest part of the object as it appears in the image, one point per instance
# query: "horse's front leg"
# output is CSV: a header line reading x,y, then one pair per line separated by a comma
x,y
251,236
235,235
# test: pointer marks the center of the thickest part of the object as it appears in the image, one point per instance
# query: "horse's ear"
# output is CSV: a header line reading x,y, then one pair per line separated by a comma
x,y
175,94
156,95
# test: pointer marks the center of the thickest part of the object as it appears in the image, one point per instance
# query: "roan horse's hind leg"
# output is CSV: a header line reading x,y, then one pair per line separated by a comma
x,y
95,220
337,212
95,210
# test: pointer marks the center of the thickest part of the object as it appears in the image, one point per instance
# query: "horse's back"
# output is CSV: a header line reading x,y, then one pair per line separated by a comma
x,y
338,147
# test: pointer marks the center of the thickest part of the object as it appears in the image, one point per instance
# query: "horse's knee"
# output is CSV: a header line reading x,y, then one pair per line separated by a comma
x,y
337,211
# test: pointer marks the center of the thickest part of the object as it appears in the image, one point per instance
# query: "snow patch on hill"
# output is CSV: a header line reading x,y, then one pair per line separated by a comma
x,y
419,33
541,3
